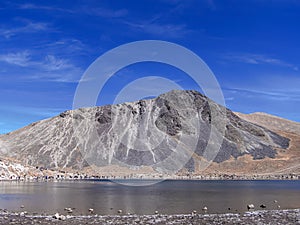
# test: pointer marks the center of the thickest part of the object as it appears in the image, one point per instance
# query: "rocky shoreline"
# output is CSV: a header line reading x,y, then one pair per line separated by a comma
x,y
84,177
15,171
291,216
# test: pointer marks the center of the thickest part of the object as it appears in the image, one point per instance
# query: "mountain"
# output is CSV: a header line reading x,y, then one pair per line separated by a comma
x,y
286,161
177,129
271,122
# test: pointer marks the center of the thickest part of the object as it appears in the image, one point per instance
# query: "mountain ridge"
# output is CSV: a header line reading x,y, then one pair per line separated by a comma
x,y
117,133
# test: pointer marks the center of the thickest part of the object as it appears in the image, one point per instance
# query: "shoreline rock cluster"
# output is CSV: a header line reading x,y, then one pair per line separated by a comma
x,y
13,171
291,216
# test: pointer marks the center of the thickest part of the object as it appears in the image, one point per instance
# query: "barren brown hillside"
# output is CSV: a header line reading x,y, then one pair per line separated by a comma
x,y
287,161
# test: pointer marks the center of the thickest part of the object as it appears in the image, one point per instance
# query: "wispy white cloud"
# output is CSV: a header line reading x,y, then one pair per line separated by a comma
x,y
94,11
36,111
19,58
106,12
49,67
229,99
43,7
52,63
159,29
69,46
156,25
29,27
258,59
24,59
271,94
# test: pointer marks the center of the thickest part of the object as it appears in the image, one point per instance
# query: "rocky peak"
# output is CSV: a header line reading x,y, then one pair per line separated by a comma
x,y
141,133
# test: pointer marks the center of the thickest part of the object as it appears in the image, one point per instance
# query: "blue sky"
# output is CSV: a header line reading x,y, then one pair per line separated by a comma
x,y
252,47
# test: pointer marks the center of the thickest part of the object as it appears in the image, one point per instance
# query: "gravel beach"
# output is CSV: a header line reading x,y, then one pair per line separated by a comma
x,y
291,216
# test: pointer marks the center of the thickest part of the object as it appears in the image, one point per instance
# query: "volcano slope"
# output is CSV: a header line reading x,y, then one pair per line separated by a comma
x,y
177,131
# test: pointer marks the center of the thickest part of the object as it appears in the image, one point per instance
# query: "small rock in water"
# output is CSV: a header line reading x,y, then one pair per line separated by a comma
x,y
156,212
91,210
263,206
278,206
204,208
194,211
120,211
250,206
275,201
69,210
22,206
229,208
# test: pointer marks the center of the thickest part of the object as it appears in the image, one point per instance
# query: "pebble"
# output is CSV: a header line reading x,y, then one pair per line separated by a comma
x,y
263,206
22,206
258,217
56,216
156,212
59,217
204,208
120,211
69,210
62,217
91,210
250,206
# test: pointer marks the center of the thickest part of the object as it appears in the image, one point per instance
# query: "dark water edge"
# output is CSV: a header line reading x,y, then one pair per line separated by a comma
x,y
285,217
167,197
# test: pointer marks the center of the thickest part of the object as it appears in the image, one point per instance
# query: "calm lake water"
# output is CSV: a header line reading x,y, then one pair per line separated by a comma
x,y
169,197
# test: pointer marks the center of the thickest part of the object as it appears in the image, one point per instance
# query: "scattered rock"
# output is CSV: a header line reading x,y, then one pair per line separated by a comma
x,y
62,217
120,211
56,216
250,206
59,217
91,210
156,212
204,208
263,206
257,217
69,210
22,206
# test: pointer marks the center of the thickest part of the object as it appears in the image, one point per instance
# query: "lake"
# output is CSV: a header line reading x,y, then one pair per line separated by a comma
x,y
167,197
